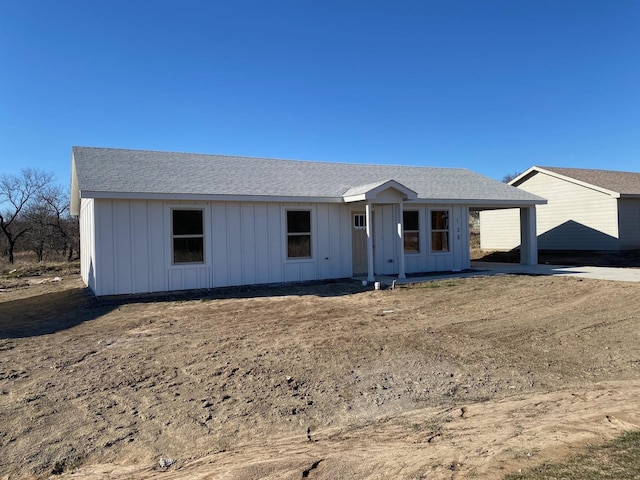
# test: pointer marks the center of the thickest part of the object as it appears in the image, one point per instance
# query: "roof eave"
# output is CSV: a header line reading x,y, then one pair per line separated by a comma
x,y
192,197
481,204
74,204
515,181
200,197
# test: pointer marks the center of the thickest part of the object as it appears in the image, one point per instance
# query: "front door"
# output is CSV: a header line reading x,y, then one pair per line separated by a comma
x,y
359,242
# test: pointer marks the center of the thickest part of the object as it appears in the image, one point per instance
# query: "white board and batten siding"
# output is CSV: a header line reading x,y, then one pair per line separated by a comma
x,y
575,217
127,244
386,245
333,241
245,244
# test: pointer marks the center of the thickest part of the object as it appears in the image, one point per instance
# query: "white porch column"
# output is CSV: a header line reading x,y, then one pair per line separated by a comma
x,y
401,272
369,222
528,236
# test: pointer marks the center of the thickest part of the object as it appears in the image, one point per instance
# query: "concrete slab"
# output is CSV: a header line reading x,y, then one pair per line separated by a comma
x,y
480,269
599,273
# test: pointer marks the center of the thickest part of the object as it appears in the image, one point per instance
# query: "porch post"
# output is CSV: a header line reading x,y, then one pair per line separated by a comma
x,y
528,236
401,272
368,221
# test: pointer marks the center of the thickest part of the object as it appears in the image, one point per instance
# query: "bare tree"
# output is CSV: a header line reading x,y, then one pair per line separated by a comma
x,y
57,203
510,176
17,194
72,230
51,228
40,234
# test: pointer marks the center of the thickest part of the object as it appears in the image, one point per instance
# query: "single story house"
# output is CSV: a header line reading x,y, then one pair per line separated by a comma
x,y
586,210
162,221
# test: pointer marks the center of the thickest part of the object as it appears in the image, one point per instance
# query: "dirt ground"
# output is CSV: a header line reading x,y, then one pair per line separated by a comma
x,y
469,378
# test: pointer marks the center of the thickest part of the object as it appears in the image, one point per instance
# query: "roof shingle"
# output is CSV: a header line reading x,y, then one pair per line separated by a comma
x,y
624,183
149,172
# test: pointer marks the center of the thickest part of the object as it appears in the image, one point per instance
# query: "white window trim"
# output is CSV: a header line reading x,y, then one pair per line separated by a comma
x,y
431,251
364,223
285,236
203,236
420,230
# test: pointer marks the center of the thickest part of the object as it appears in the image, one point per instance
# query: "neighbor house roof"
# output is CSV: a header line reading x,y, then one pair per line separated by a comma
x,y
117,173
618,184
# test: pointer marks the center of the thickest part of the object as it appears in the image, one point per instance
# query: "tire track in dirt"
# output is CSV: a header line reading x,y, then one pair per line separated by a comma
x,y
486,440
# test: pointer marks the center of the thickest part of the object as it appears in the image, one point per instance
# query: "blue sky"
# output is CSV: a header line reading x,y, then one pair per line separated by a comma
x,y
493,86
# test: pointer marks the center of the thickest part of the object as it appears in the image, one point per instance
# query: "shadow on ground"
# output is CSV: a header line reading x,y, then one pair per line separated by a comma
x,y
628,259
46,313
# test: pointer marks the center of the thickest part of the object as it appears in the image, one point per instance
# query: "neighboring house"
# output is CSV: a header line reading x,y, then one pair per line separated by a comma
x,y
160,221
585,210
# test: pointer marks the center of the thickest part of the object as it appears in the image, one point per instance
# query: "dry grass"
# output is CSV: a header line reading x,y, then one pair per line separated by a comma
x,y
26,266
614,460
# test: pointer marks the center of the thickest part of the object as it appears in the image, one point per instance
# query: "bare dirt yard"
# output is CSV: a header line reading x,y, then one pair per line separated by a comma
x,y
452,379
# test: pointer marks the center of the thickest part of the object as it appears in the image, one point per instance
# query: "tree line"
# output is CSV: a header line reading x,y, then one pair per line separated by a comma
x,y
34,216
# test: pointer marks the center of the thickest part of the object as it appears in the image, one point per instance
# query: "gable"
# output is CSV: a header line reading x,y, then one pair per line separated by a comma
x,y
385,192
555,187
614,183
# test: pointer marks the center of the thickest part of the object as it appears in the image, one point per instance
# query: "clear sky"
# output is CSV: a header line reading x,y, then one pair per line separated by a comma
x,y
493,86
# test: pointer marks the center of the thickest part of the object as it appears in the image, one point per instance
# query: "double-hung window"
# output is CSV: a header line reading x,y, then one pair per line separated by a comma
x,y
439,230
188,236
411,232
298,234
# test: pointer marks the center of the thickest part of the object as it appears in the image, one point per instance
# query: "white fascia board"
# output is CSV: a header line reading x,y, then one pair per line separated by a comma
x,y
206,197
499,203
74,204
590,186
475,203
503,203
355,198
524,174
494,205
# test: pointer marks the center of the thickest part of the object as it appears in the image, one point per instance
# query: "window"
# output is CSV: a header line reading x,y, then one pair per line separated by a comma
x,y
188,236
359,221
439,231
298,233
411,233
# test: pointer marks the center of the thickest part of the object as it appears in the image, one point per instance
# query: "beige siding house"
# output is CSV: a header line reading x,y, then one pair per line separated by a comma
x,y
586,210
163,221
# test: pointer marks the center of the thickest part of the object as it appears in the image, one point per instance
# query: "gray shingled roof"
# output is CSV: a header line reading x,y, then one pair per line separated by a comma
x,y
146,172
359,189
624,183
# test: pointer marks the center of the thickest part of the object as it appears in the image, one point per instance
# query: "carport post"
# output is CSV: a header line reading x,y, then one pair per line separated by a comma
x,y
528,236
